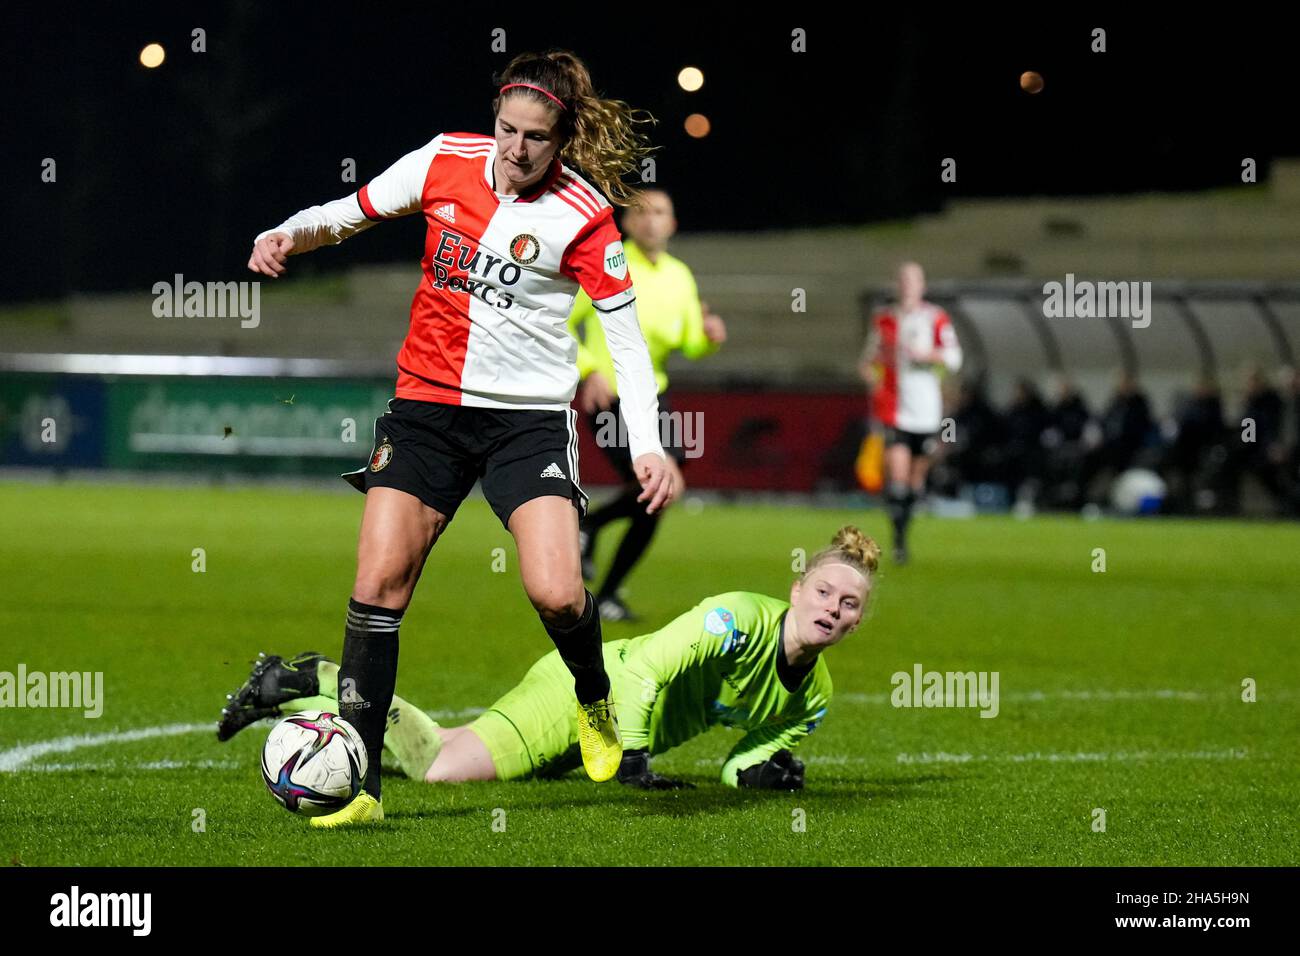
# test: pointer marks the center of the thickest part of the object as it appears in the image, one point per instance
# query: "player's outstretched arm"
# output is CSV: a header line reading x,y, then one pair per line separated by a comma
x,y
394,192
308,230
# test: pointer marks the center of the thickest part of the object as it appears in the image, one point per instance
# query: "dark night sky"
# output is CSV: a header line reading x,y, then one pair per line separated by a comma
x,y
176,169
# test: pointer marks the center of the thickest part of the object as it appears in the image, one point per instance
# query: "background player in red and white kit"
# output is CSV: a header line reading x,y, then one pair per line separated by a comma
x,y
487,373
911,343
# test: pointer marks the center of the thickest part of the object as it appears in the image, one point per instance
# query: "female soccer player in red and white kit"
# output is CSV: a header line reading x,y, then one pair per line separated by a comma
x,y
487,373
910,344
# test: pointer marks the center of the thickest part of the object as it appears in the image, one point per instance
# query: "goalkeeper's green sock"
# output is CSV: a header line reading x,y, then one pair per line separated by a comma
x,y
410,734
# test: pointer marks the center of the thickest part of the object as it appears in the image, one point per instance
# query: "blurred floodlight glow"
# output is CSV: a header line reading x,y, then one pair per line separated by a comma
x,y
1031,82
690,79
153,55
697,125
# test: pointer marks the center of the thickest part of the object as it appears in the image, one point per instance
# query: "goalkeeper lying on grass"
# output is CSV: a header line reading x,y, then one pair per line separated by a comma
x,y
741,659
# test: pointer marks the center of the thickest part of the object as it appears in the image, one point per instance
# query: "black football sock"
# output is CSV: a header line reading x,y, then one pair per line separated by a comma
x,y
630,549
908,501
896,504
624,506
366,678
580,648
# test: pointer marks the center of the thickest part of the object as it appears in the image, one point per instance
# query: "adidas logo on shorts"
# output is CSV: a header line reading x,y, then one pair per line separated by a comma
x,y
552,471
447,212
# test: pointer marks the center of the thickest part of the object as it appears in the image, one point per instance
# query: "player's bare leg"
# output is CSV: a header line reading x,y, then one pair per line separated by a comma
x,y
463,757
920,468
546,536
397,533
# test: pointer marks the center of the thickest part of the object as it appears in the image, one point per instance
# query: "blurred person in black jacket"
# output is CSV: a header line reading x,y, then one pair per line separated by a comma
x,y
1026,419
975,456
1291,440
1069,435
1256,447
1126,427
1194,461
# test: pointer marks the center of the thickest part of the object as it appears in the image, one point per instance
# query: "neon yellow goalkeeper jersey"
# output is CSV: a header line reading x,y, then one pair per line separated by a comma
x,y
717,664
668,311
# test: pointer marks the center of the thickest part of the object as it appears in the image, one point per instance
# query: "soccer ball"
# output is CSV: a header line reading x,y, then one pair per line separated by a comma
x,y
314,762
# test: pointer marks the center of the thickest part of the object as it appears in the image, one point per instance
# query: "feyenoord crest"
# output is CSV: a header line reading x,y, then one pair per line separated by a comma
x,y
382,456
525,249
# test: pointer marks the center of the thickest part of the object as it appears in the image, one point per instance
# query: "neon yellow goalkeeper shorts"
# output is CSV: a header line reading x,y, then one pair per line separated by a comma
x,y
532,731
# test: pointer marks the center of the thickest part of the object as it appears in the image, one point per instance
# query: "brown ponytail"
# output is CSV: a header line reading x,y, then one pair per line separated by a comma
x,y
600,136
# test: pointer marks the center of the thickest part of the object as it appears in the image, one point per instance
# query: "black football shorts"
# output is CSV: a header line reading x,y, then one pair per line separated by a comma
x,y
436,452
918,443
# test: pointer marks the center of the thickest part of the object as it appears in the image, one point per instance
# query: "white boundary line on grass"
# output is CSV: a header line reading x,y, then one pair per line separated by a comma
x,y
1036,756
84,765
819,760
18,757
1081,756
14,758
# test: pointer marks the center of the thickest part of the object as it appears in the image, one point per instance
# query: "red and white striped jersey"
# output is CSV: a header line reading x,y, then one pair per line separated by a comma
x,y
906,395
500,273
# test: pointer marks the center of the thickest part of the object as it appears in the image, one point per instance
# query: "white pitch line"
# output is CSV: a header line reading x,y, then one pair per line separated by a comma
x,y
18,757
15,757
184,765
84,765
1119,756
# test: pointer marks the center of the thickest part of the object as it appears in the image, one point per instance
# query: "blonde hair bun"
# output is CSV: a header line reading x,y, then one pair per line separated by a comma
x,y
858,547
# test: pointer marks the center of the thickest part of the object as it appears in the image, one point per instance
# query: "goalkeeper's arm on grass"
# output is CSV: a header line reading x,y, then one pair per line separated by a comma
x,y
764,758
681,646
781,771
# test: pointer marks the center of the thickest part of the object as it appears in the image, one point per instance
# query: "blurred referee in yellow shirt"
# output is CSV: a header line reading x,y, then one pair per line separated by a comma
x,y
672,320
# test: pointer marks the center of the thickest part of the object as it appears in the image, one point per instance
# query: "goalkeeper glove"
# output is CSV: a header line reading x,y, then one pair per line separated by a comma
x,y
782,771
635,772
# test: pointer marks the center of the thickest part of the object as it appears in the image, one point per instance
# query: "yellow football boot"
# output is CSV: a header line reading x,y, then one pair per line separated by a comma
x,y
363,809
602,747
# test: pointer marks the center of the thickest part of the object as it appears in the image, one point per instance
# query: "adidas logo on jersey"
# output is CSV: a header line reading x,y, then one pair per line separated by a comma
x,y
447,212
552,471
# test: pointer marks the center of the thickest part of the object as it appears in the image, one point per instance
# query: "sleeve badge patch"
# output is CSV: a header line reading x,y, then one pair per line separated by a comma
x,y
719,621
615,261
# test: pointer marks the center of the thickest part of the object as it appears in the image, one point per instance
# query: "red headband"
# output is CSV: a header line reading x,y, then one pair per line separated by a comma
x,y
551,96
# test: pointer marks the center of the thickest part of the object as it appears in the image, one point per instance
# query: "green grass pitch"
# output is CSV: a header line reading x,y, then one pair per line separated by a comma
x,y
1120,690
